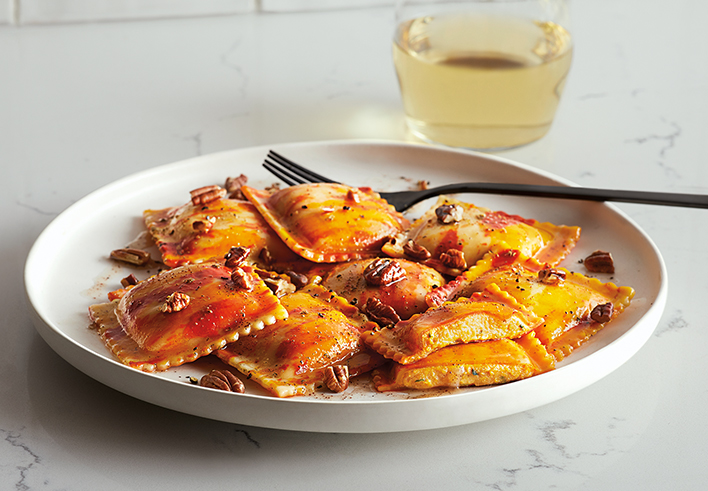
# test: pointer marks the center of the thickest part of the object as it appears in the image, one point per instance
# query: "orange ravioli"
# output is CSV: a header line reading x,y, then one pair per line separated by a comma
x,y
125,349
475,231
190,311
406,296
568,304
191,233
328,222
290,357
472,364
183,349
488,315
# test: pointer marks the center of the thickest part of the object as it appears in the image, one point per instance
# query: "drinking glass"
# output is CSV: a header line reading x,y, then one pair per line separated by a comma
x,y
481,74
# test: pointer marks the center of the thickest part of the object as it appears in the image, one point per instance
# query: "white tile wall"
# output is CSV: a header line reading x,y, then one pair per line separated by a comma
x,y
25,12
305,5
60,11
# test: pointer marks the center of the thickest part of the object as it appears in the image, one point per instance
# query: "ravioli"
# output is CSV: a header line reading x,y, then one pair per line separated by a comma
x,y
290,357
472,364
182,314
328,223
476,230
487,315
192,233
406,296
567,303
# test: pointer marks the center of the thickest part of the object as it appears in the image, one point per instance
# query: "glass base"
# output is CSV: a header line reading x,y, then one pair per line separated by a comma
x,y
487,138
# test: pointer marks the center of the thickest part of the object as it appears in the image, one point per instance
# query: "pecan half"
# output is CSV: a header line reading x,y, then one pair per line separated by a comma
x,y
233,186
415,250
206,194
223,380
551,276
383,315
242,279
602,313
383,272
131,256
600,262
449,213
454,258
236,256
175,302
337,378
129,280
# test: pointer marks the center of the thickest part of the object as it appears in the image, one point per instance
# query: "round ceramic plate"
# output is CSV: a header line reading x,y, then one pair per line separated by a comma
x,y
68,269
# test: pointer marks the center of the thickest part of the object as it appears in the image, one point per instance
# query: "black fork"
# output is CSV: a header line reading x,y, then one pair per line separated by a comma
x,y
293,173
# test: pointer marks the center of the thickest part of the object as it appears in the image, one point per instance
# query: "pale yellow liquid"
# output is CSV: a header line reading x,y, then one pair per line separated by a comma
x,y
481,81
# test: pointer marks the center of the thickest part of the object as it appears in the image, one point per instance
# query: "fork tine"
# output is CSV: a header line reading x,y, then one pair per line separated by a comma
x,y
283,175
297,169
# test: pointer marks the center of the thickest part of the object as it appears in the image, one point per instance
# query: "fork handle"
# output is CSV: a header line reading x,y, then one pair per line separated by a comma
x,y
563,192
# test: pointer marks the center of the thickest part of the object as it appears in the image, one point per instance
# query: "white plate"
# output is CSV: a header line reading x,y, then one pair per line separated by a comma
x,y
67,270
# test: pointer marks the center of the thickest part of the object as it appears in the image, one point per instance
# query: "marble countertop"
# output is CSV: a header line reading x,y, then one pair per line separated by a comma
x,y
82,105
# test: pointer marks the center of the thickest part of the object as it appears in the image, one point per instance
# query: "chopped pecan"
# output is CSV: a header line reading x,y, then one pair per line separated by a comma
x,y
600,262
223,380
264,273
265,256
233,186
298,279
206,194
273,188
236,256
454,258
423,185
242,279
129,280
449,213
415,250
175,302
131,256
383,315
394,246
383,272
353,196
602,313
279,286
203,226
337,378
551,276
